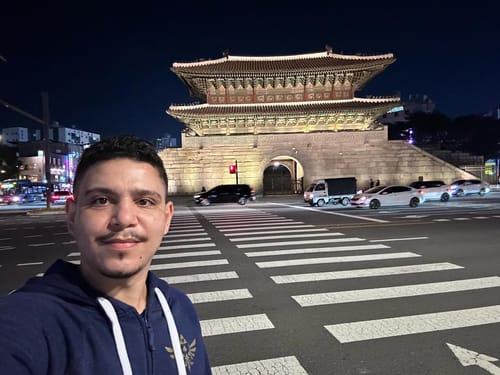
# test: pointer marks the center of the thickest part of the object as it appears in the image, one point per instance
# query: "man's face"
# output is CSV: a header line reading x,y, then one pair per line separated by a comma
x,y
118,218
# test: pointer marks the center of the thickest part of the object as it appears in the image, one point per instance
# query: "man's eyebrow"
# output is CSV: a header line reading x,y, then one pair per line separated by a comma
x,y
137,192
99,190
144,192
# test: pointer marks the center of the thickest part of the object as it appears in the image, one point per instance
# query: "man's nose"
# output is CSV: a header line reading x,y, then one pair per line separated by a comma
x,y
124,214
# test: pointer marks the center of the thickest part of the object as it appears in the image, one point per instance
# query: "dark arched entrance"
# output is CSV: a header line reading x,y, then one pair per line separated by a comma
x,y
277,180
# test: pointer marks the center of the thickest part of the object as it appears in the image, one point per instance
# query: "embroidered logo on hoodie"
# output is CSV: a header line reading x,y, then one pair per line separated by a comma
x,y
188,350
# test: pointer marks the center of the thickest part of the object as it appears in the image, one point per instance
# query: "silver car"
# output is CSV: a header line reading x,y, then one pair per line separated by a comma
x,y
433,190
392,195
469,186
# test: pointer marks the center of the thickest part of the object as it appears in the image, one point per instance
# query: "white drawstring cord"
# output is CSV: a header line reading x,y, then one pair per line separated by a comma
x,y
120,342
174,335
118,335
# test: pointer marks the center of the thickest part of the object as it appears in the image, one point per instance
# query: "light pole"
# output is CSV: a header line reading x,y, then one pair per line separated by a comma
x,y
46,142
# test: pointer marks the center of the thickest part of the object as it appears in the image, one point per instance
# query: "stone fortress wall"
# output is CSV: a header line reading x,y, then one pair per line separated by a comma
x,y
204,161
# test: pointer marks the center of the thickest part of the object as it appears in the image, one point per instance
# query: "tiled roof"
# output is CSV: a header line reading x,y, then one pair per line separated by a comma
x,y
296,108
272,64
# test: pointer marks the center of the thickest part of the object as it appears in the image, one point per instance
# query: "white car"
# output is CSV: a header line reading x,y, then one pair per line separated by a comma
x,y
434,190
392,195
471,186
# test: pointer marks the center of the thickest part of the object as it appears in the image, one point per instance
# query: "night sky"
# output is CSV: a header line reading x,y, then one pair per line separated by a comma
x,y
106,67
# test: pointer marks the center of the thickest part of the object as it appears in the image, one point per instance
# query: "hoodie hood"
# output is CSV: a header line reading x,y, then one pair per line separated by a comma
x,y
65,281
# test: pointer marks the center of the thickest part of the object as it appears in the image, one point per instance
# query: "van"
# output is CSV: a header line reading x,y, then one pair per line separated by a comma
x,y
240,193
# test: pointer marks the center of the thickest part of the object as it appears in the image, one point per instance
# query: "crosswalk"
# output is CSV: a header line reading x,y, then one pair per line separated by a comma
x,y
283,250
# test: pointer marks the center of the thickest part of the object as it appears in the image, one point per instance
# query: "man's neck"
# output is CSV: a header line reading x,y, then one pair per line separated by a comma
x,y
133,290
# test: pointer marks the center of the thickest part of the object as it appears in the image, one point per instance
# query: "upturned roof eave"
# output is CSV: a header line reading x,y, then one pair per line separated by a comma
x,y
275,108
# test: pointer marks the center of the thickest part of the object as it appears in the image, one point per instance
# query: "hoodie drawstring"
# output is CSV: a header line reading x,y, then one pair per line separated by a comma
x,y
117,334
120,342
172,329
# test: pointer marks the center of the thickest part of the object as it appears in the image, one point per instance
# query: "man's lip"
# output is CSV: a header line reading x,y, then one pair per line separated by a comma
x,y
129,240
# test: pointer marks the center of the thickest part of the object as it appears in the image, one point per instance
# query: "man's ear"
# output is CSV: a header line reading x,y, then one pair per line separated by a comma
x,y
70,209
169,212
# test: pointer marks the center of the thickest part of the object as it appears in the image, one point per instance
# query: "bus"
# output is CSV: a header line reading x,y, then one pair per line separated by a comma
x,y
22,191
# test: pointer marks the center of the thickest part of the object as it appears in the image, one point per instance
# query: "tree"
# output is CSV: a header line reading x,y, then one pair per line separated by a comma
x,y
9,164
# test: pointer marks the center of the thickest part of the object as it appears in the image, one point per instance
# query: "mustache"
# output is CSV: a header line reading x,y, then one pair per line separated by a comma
x,y
123,236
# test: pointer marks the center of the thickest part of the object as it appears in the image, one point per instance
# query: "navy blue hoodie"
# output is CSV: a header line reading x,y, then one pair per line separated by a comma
x,y
55,325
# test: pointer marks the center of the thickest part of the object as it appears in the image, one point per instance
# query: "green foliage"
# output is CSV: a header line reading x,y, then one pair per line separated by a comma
x,y
8,162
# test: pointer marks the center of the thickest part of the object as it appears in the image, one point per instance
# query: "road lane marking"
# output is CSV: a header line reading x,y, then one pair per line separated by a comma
x,y
176,234
186,246
308,242
41,244
351,258
314,250
242,226
219,295
186,254
468,357
413,324
181,240
400,239
333,213
201,263
235,324
360,295
284,230
29,264
303,235
367,272
181,231
200,277
294,225
273,366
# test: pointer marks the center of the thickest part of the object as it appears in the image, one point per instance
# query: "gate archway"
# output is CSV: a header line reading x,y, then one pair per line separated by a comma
x,y
284,175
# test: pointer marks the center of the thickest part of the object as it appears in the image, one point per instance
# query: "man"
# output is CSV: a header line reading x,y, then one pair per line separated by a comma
x,y
109,315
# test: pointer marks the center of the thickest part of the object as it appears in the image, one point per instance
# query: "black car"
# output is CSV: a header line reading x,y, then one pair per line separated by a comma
x,y
240,193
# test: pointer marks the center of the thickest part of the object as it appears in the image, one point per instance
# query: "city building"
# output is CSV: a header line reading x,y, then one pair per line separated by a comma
x,y
65,147
72,135
12,136
165,141
287,120
401,113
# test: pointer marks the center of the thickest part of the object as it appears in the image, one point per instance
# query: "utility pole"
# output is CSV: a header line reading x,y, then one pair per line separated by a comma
x,y
46,141
46,144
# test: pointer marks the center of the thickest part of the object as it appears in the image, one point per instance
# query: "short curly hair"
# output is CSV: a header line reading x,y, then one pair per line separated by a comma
x,y
119,147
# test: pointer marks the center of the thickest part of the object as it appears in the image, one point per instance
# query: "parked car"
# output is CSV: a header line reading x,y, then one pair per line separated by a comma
x,y
433,190
391,195
12,199
60,196
240,193
469,186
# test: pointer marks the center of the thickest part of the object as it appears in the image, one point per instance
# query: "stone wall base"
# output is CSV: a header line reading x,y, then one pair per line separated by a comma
x,y
204,161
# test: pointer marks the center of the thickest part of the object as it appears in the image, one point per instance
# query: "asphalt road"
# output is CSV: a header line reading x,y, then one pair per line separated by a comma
x,y
285,288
